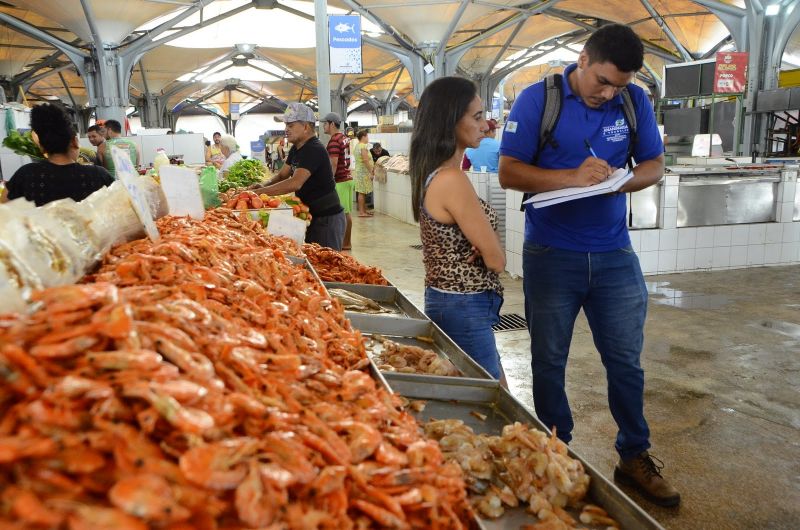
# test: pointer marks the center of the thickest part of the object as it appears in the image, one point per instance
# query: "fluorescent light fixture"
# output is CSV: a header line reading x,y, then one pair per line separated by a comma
x,y
772,10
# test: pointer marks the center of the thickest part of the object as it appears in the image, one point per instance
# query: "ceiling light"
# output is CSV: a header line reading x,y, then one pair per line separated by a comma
x,y
772,10
245,48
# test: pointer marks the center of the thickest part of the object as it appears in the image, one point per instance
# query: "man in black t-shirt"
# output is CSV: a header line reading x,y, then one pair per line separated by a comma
x,y
308,174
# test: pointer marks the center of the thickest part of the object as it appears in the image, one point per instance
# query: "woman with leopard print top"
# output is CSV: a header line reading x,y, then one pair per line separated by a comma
x,y
461,250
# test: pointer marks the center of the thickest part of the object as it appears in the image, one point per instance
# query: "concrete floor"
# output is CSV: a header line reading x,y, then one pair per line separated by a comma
x,y
722,374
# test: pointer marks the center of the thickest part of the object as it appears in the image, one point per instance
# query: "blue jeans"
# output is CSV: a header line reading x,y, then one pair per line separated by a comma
x,y
610,288
468,320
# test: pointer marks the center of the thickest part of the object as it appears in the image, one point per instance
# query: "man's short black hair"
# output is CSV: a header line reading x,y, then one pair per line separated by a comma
x,y
618,45
94,128
114,125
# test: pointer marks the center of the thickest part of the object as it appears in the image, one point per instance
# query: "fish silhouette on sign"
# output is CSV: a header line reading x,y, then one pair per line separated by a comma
x,y
341,27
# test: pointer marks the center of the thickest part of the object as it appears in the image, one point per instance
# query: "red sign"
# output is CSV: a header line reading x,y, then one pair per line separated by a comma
x,y
730,72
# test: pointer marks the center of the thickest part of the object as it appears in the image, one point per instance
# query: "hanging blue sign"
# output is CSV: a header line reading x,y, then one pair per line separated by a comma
x,y
344,37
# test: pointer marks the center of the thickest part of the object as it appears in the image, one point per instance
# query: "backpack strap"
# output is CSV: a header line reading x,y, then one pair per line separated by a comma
x,y
553,100
630,116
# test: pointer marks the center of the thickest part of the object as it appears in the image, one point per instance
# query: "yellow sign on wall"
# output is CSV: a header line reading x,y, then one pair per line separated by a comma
x,y
789,78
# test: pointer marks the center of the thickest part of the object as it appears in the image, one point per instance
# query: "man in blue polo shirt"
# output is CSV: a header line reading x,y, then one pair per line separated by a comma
x,y
577,254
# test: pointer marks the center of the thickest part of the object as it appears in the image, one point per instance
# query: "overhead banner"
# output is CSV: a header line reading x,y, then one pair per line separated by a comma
x,y
344,36
730,72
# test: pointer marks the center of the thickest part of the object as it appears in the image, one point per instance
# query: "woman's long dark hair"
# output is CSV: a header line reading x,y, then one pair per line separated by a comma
x,y
443,103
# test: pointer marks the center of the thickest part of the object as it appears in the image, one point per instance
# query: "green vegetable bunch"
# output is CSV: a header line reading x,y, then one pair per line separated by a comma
x,y
23,144
242,174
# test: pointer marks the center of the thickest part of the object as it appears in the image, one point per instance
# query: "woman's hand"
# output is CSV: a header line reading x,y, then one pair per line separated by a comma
x,y
475,255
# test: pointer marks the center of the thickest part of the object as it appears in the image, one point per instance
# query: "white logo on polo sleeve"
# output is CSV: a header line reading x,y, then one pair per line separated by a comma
x,y
511,126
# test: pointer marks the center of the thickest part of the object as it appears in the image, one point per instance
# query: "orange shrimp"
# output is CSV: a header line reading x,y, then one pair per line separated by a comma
x,y
218,465
187,419
380,515
148,497
30,510
258,499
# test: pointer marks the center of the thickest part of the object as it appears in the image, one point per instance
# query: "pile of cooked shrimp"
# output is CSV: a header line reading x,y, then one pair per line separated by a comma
x,y
391,356
203,381
333,266
522,467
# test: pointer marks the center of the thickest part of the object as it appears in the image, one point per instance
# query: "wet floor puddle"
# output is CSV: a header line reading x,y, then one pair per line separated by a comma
x,y
665,295
784,328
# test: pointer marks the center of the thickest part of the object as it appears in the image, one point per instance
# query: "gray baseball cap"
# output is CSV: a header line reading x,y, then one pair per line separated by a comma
x,y
332,116
297,112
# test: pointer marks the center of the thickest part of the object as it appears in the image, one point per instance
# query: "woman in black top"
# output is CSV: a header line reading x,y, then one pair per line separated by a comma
x,y
59,176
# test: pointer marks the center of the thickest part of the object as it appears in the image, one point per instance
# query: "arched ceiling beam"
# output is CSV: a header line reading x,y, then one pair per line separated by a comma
x,y
450,29
74,53
554,45
394,86
786,31
504,48
38,77
354,88
718,7
667,31
69,92
714,49
148,37
144,44
405,43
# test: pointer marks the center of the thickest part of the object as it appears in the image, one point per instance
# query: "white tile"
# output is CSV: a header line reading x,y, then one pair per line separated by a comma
x,y
670,196
721,257
687,238
722,236
705,237
667,260
740,234
757,234
755,255
791,232
636,240
738,256
670,219
789,252
518,264
789,190
685,260
668,239
672,180
779,194
649,240
649,262
774,233
785,212
772,253
703,258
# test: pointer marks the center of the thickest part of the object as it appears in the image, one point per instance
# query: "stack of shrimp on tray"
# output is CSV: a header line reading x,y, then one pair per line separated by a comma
x,y
205,382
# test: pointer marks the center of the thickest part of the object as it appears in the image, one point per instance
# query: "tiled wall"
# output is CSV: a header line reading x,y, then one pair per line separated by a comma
x,y
393,197
670,249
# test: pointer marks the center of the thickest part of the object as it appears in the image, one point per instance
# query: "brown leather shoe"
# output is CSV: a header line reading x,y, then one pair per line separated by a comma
x,y
644,474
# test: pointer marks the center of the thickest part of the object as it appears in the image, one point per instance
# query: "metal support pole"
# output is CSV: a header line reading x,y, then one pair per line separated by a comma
x,y
323,62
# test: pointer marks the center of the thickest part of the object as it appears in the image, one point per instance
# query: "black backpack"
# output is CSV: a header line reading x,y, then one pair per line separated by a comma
x,y
553,100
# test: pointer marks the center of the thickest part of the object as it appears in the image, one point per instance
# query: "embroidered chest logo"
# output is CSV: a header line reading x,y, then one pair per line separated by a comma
x,y
616,133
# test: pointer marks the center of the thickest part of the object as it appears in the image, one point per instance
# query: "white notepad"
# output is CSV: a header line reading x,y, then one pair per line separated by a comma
x,y
611,184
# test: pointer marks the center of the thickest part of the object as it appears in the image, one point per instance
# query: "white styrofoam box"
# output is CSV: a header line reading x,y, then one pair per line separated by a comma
x,y
649,240
648,261
685,259
740,234
705,237
668,239
721,257
149,144
191,146
667,260
772,253
703,258
774,233
791,232
670,197
790,252
755,255
722,236
738,256
757,234
670,218
636,240
10,163
687,238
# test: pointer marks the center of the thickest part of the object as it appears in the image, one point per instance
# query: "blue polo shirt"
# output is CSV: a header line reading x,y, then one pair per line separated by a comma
x,y
592,224
486,154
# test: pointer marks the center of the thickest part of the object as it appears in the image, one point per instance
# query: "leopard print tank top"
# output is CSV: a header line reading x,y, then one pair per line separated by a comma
x,y
445,250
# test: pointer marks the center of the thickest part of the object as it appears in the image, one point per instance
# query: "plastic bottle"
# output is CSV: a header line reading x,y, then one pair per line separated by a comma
x,y
161,159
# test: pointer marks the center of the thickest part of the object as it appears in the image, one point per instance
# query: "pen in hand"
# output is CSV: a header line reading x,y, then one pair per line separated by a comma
x,y
589,148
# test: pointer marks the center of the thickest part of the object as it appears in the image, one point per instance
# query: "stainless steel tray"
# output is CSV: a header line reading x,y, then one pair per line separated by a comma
x,y
388,297
456,398
406,330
